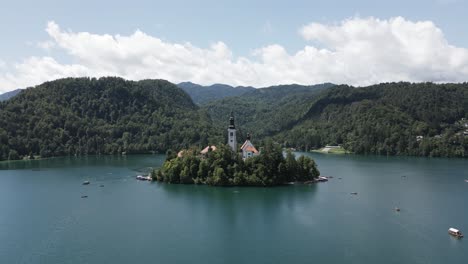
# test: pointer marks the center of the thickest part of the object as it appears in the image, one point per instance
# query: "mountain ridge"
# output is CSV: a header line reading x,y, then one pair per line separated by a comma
x,y
9,95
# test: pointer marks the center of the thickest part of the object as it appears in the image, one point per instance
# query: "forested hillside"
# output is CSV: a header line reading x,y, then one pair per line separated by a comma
x,y
204,94
266,111
422,119
100,116
78,116
391,119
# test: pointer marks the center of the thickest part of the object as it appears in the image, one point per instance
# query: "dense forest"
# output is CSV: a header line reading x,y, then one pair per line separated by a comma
x,y
223,167
204,94
79,116
423,119
390,119
266,111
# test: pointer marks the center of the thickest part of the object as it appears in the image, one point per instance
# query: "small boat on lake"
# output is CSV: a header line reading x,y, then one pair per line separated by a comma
x,y
397,209
354,193
466,180
322,179
455,232
144,178
86,183
84,196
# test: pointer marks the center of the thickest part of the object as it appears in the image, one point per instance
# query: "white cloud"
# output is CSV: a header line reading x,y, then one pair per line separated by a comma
x,y
46,45
357,51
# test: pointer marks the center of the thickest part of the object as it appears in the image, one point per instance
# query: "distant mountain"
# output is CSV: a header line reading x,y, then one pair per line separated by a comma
x,y
266,111
8,95
203,94
80,116
417,119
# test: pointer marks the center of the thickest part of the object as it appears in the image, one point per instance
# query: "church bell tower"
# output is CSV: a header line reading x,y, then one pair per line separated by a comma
x,y
232,141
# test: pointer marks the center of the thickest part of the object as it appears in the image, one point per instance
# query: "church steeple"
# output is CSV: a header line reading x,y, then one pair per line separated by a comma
x,y
232,141
231,121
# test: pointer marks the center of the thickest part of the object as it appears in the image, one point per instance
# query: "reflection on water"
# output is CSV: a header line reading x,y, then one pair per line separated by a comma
x,y
43,218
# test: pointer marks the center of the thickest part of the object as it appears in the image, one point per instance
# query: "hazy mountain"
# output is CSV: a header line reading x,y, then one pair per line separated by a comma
x,y
8,95
203,94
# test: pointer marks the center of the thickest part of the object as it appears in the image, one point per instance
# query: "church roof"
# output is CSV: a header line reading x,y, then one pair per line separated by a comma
x,y
247,142
248,146
251,149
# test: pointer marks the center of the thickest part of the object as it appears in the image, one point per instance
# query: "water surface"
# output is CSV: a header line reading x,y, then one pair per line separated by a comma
x,y
43,218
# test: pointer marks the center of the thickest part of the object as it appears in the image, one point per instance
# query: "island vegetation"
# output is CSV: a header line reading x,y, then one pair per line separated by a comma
x,y
223,167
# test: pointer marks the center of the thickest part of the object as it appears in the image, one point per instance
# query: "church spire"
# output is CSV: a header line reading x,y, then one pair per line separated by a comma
x,y
232,140
231,121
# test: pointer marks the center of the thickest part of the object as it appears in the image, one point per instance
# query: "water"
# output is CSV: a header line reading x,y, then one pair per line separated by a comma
x,y
43,218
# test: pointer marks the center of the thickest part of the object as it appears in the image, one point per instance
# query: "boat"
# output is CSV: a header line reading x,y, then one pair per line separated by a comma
x,y
397,209
144,178
86,183
354,193
84,196
466,180
322,179
455,232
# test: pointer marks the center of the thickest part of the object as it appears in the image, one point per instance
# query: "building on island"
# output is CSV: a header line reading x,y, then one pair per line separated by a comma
x,y
248,149
232,140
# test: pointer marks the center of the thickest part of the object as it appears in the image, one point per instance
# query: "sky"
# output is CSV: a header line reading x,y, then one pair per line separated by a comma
x,y
250,43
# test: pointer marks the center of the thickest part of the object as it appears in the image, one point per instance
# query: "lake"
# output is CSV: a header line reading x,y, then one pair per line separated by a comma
x,y
43,218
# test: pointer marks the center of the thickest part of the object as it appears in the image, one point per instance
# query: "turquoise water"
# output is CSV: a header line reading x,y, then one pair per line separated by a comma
x,y
43,218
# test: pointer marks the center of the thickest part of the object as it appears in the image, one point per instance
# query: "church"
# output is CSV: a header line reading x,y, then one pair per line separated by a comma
x,y
248,149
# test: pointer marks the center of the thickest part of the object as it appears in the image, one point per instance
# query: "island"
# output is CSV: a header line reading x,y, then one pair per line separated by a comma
x,y
228,165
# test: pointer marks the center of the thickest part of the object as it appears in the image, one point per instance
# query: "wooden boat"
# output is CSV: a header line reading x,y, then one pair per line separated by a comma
x,y
86,183
455,232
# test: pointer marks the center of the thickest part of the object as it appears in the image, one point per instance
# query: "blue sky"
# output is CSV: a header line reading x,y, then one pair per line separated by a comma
x,y
243,26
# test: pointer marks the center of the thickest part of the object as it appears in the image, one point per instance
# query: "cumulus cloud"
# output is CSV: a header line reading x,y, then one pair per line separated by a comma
x,y
357,51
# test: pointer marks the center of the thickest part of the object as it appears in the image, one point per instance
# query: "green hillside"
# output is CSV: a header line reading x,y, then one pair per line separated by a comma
x,y
204,94
266,111
423,119
100,116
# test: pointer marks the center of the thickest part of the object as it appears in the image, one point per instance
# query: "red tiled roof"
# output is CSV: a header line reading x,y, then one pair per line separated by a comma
x,y
252,149
245,144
